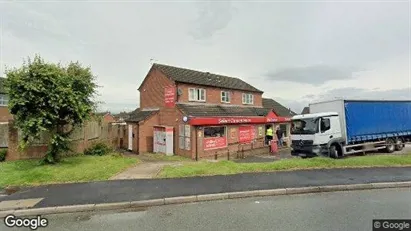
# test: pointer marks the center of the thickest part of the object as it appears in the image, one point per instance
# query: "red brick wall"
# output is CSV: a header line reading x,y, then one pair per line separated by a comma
x,y
146,133
5,114
152,89
213,95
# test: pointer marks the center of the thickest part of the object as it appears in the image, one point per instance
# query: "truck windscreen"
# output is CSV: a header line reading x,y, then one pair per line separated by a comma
x,y
305,126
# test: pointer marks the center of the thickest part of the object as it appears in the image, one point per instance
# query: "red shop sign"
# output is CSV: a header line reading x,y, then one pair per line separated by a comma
x,y
169,96
214,143
246,134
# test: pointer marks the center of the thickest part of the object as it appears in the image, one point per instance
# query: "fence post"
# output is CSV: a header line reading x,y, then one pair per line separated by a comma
x,y
215,156
228,154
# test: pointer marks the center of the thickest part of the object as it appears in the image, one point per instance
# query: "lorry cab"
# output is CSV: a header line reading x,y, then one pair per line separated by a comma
x,y
316,134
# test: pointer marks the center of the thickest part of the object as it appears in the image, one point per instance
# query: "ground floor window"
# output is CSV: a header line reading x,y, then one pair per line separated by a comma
x,y
219,131
214,137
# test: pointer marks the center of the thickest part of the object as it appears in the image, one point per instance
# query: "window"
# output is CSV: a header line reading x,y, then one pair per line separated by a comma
x,y
196,94
225,96
325,124
214,131
248,98
4,100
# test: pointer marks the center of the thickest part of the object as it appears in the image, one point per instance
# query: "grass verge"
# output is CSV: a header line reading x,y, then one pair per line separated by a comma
x,y
204,168
71,169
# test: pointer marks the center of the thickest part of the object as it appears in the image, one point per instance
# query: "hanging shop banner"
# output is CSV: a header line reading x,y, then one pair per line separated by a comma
x,y
246,134
215,142
169,96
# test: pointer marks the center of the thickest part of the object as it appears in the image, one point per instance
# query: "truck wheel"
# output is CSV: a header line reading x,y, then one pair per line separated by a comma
x,y
399,145
390,145
333,152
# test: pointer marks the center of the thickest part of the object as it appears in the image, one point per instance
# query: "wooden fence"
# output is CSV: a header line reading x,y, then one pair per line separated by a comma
x,y
114,135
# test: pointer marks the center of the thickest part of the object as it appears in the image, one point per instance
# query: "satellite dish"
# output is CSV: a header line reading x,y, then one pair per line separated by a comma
x,y
179,91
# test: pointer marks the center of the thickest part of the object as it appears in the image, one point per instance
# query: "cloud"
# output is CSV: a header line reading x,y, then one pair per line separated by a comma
x,y
348,93
212,17
314,75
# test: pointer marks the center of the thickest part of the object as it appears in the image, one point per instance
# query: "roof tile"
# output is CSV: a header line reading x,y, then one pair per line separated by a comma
x,y
184,75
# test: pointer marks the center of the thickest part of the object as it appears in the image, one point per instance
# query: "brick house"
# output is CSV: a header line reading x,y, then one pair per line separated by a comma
x,y
207,114
107,117
5,115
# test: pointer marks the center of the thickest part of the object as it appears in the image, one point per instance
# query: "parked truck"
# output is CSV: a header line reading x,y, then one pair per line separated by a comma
x,y
342,127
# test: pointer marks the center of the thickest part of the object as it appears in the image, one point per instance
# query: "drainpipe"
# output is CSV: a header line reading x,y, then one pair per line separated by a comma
x,y
196,142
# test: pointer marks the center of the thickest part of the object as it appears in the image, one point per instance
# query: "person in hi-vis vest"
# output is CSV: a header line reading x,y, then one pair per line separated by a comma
x,y
269,134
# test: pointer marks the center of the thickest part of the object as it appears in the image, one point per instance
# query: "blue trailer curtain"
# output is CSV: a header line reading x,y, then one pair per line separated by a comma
x,y
369,120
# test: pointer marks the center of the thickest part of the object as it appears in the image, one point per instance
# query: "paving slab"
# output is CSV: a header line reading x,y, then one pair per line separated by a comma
x,y
19,204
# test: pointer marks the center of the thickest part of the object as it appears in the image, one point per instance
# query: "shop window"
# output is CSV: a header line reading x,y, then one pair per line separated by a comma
x,y
225,96
248,98
197,94
214,131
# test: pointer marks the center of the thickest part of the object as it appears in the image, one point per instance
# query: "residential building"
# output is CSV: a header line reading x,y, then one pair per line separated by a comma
x,y
5,115
207,114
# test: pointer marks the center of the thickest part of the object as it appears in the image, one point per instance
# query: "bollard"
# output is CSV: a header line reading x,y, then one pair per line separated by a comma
x,y
215,156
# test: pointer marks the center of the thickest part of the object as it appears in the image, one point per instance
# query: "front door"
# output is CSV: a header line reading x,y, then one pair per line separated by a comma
x,y
130,137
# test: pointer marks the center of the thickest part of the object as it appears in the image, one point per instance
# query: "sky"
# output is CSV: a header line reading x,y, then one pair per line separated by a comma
x,y
297,52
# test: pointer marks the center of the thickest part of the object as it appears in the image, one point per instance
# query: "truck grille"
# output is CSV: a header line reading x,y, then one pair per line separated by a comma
x,y
302,142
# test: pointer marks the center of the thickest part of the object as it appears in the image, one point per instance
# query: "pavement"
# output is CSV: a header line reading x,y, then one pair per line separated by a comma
x,y
148,167
339,211
146,189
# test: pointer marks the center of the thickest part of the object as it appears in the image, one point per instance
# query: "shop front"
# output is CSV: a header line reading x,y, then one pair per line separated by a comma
x,y
231,137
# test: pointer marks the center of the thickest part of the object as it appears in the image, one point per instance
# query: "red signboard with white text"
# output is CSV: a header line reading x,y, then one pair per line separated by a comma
x,y
214,143
169,96
236,120
246,134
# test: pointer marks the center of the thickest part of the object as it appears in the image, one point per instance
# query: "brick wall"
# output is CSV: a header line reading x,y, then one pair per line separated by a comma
x,y
5,115
152,89
146,133
213,95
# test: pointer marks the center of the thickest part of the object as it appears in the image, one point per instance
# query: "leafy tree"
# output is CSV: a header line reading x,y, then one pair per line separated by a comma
x,y
47,97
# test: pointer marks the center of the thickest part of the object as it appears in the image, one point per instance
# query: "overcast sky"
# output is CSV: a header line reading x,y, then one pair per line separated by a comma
x,y
296,52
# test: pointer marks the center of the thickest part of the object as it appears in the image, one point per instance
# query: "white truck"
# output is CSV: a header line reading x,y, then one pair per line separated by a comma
x,y
341,127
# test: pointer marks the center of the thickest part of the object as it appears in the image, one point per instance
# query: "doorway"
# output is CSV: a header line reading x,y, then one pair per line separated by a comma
x,y
130,137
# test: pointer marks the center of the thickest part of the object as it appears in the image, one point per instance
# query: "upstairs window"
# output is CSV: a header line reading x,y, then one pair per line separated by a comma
x,y
197,94
248,98
4,100
225,97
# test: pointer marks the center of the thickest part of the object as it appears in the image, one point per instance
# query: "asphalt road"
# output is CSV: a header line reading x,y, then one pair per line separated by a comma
x,y
133,190
318,212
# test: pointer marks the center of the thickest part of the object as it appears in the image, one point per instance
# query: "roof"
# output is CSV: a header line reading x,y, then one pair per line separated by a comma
x,y
140,115
183,75
2,88
103,113
306,110
279,109
314,115
219,110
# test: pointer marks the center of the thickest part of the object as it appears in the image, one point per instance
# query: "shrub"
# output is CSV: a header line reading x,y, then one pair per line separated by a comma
x,y
3,154
98,149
